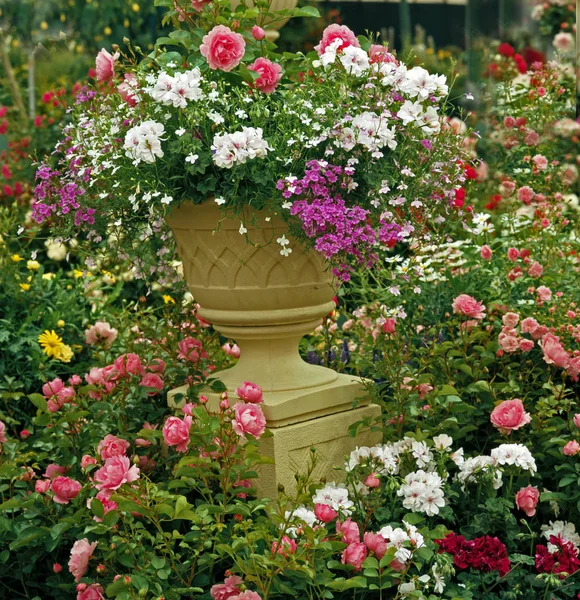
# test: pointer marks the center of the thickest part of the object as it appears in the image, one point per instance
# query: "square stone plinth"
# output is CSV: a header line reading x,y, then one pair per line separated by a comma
x,y
290,446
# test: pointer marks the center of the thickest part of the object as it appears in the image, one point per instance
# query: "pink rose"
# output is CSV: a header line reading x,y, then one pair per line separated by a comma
x,y
258,33
152,380
325,513
53,470
527,499
80,554
577,420
508,343
56,568
513,254
249,419
91,592
349,530
469,307
191,349
126,89
571,448
156,366
65,489
88,460
2,432
270,74
52,388
529,325
111,446
389,326
105,63
104,499
232,350
100,332
376,543
509,415
554,353
354,554
526,345
574,368
250,392
285,547
227,589
128,364
372,481
176,432
42,486
544,293
115,472
336,32
248,595
510,319
223,48
381,54
486,252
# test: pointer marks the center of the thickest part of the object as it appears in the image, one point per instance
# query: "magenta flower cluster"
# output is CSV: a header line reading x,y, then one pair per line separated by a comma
x,y
342,233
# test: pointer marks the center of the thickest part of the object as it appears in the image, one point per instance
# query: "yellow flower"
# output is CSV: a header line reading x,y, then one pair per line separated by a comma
x,y
60,323
126,23
135,7
47,276
25,286
78,273
32,265
16,258
44,26
108,277
50,342
168,299
62,18
107,30
64,353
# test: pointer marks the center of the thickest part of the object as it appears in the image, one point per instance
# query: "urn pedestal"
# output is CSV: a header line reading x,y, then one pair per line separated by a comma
x,y
267,302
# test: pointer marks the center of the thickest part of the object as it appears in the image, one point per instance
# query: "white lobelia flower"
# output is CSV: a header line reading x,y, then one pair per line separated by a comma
x,y
191,158
242,229
166,199
179,132
220,201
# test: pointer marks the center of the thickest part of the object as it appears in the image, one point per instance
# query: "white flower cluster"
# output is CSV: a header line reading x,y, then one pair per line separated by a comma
x,y
564,529
471,468
422,492
398,537
386,458
425,118
300,514
178,89
514,454
238,147
335,496
369,130
143,142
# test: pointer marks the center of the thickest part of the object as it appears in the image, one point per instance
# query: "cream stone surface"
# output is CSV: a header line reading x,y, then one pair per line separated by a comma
x,y
267,302
290,447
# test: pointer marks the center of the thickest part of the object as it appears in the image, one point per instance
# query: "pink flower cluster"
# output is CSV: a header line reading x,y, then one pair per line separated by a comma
x,y
248,418
230,589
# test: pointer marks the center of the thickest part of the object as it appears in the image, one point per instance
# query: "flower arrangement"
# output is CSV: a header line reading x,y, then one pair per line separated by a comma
x,y
346,136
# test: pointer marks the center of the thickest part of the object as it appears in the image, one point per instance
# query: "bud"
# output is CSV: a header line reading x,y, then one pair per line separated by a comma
x,y
258,33
101,569
57,568
577,420
203,399
127,580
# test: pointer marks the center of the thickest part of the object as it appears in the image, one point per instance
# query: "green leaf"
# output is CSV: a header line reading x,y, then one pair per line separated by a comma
x,y
97,508
12,503
38,400
307,11
111,518
28,535
447,390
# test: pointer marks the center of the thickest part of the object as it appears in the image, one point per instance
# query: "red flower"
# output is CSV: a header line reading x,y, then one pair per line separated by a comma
x,y
506,49
563,560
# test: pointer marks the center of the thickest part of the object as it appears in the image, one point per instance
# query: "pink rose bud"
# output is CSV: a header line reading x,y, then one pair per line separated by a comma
x,y
225,404
376,543
325,513
349,530
527,499
285,547
486,252
187,408
571,448
577,420
389,326
354,554
42,486
203,399
56,568
25,434
372,481
250,392
105,64
258,33
88,460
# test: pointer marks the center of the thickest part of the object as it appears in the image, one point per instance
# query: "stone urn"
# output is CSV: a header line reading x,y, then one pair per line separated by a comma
x,y
272,33
267,302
